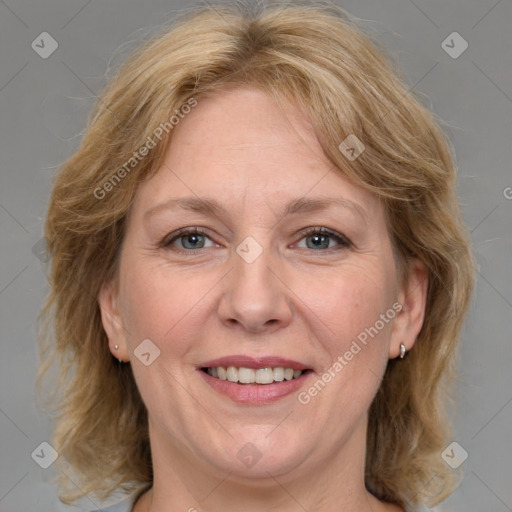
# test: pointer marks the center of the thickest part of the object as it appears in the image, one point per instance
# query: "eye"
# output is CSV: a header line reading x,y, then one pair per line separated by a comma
x,y
323,238
187,239
317,239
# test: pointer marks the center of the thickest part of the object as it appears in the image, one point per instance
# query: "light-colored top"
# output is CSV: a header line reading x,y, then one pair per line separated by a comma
x,y
126,505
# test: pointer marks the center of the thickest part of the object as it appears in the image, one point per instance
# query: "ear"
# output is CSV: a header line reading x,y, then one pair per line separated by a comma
x,y
413,298
112,322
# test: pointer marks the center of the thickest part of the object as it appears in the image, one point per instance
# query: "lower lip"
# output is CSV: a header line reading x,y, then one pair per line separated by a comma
x,y
255,394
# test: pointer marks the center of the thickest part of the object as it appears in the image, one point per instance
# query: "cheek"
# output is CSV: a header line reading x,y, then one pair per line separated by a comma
x,y
163,306
349,305
354,317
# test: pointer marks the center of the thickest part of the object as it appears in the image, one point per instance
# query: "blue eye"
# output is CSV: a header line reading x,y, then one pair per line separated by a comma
x,y
188,239
193,241
322,238
316,239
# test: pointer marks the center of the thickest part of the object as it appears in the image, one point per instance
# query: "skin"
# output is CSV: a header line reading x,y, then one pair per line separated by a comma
x,y
295,301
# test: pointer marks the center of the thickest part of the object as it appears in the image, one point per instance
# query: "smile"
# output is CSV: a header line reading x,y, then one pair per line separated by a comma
x,y
264,376
255,380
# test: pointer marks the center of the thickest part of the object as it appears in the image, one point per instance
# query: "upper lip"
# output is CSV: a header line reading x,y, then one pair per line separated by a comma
x,y
255,362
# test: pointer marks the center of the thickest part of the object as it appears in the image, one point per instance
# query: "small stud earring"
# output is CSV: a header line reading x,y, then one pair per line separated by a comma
x,y
403,351
116,348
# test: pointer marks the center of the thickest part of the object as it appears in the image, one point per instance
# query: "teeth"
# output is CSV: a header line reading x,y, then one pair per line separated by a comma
x,y
250,376
279,374
246,376
265,376
232,374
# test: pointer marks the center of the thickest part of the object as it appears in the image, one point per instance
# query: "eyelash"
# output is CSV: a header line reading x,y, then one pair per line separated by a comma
x,y
344,242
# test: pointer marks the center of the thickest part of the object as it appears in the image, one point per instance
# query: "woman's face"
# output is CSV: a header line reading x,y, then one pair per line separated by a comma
x,y
249,249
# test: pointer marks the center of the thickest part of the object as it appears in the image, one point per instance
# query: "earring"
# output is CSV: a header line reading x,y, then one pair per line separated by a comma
x,y
403,351
116,348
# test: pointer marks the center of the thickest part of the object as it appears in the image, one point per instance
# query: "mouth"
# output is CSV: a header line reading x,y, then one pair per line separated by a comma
x,y
255,381
260,376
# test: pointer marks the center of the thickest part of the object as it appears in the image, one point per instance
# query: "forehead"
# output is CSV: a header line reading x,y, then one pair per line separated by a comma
x,y
242,143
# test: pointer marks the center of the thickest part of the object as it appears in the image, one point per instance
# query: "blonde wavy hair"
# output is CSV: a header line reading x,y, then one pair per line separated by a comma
x,y
314,55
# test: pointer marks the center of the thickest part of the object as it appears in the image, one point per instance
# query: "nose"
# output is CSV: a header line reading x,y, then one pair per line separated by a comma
x,y
256,297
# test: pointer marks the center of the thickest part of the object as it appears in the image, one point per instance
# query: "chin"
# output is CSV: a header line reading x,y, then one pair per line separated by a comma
x,y
262,455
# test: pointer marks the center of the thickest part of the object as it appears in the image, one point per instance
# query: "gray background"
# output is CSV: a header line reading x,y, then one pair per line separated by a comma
x,y
44,103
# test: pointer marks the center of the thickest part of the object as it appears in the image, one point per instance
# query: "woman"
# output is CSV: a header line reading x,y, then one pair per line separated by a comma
x,y
259,275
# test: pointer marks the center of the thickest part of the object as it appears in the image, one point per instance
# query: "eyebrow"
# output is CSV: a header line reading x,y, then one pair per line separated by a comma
x,y
297,206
